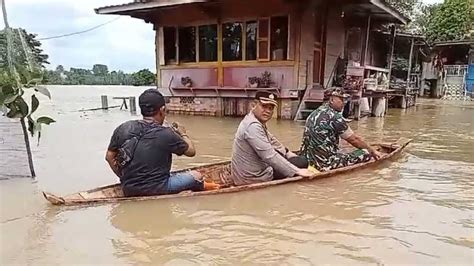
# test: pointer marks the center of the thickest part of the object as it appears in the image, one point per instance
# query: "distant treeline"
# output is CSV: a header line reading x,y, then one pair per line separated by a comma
x,y
98,75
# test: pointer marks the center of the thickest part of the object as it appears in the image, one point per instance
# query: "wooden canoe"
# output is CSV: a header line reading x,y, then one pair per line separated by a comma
x,y
219,173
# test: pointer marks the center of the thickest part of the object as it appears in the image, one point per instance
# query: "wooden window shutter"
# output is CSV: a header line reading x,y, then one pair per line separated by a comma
x,y
263,40
161,46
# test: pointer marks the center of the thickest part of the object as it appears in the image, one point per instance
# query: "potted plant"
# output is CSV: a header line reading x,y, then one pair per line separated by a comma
x,y
254,82
186,82
266,80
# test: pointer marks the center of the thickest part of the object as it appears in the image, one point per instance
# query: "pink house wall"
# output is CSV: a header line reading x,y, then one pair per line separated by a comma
x,y
238,76
201,77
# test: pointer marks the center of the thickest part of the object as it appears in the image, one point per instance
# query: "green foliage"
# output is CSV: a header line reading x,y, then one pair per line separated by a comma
x,y
12,97
422,15
18,55
60,69
406,7
98,75
450,20
143,77
20,63
446,21
100,70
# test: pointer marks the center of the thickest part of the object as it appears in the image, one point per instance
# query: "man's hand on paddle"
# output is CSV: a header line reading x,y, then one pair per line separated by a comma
x,y
357,141
180,129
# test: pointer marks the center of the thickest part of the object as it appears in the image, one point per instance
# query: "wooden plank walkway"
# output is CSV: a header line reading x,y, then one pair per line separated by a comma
x,y
13,156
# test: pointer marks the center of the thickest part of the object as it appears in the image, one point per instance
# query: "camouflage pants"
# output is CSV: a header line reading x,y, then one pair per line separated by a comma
x,y
339,160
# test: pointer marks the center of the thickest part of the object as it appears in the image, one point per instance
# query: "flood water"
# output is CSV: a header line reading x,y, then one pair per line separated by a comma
x,y
415,209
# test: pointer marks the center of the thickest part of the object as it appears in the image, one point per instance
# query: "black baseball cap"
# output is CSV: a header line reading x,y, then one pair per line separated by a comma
x,y
150,101
266,97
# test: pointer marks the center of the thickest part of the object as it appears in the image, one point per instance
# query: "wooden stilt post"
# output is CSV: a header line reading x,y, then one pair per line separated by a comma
x,y
403,102
133,105
366,43
105,104
357,110
379,107
410,60
390,58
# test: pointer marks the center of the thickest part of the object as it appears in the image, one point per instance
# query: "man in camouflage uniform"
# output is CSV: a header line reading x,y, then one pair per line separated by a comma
x,y
323,128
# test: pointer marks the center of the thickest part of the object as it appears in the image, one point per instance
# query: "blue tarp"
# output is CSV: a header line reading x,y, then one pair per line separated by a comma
x,y
470,78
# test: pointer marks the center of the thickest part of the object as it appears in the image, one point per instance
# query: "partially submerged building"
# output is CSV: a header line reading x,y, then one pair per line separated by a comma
x,y
213,55
454,62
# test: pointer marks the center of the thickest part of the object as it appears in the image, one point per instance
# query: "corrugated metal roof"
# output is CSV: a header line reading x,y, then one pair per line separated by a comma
x,y
122,5
137,5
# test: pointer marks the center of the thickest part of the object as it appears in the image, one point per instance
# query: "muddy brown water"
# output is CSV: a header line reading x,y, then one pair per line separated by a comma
x,y
415,209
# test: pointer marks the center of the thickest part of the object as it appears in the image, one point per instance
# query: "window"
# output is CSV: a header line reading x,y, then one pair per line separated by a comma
x,y
169,35
279,38
354,44
318,28
232,41
263,44
187,44
251,41
208,43
263,39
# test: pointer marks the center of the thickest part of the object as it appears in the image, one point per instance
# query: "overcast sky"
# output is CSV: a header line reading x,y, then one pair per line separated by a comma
x,y
126,44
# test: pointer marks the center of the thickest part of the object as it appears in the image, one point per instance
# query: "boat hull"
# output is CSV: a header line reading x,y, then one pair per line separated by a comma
x,y
218,173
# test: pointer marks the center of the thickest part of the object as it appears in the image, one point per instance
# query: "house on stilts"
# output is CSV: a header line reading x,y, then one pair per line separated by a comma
x,y
213,55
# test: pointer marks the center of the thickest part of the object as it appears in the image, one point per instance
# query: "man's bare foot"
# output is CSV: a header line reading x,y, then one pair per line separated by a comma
x,y
211,186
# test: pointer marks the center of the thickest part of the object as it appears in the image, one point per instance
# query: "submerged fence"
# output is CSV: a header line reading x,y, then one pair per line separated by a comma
x,y
14,162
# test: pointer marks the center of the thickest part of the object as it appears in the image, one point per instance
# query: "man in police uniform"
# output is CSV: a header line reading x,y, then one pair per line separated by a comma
x,y
323,128
257,156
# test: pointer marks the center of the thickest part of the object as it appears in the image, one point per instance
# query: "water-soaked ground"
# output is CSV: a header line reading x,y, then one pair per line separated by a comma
x,y
416,209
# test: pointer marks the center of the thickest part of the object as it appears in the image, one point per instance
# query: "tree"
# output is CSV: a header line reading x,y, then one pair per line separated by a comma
x,y
416,11
143,77
98,75
52,77
422,15
100,70
450,20
122,78
60,69
406,7
29,48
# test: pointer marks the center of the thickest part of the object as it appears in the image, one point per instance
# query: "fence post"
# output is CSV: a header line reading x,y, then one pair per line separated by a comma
x,y
133,105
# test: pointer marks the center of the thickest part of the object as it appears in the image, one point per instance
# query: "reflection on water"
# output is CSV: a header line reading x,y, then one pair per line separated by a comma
x,y
415,209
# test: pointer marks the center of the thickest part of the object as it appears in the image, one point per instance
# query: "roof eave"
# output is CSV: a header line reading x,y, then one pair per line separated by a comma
x,y
385,7
453,42
127,9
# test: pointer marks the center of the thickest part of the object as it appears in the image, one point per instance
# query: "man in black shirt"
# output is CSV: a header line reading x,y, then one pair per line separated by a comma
x,y
149,147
